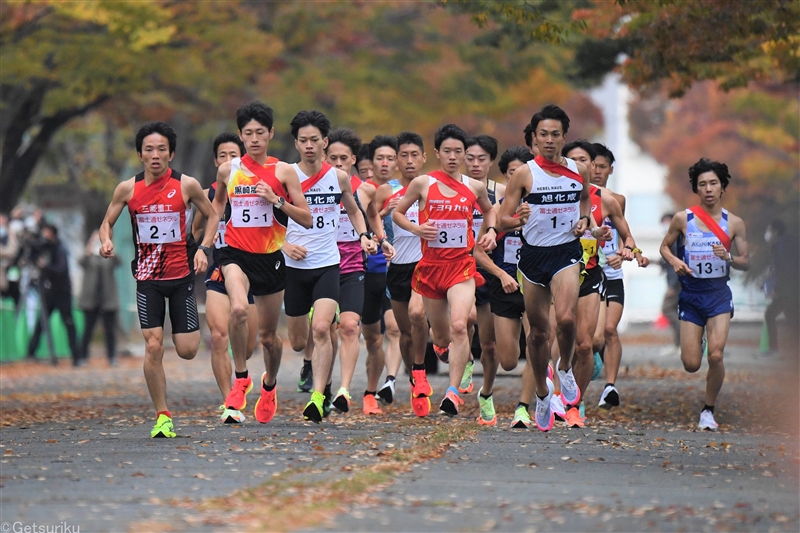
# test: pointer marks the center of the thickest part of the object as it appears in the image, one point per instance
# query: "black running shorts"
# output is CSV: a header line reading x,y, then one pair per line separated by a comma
x,y
503,304
351,292
615,291
398,281
376,299
592,282
151,304
539,264
306,286
266,272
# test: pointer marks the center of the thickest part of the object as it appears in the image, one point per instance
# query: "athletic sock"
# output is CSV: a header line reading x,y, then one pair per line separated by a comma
x,y
306,363
270,388
390,378
486,396
709,408
369,393
609,385
523,404
541,397
415,366
164,413
242,375
328,392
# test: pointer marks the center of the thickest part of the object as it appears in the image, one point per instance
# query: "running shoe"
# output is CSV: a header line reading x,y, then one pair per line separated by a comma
x,y
704,348
371,406
306,381
231,416
487,415
342,400
237,397
573,418
570,392
550,370
313,410
421,386
582,410
609,398
450,402
598,366
465,387
165,429
557,406
442,353
707,421
327,403
522,419
267,404
420,405
386,393
544,417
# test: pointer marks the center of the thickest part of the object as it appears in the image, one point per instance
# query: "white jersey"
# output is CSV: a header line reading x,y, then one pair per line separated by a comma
x,y
611,248
407,246
320,239
555,207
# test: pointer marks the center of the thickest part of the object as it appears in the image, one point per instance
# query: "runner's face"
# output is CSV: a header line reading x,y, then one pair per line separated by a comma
x,y
451,155
549,138
310,143
155,153
340,156
384,163
256,137
365,169
226,152
512,166
410,159
478,162
581,156
709,188
601,171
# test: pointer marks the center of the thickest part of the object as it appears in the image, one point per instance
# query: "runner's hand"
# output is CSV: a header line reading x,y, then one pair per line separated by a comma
x,y
509,284
720,251
266,192
107,249
643,261
389,207
524,212
581,227
682,269
427,231
487,242
614,261
369,246
294,251
200,262
388,250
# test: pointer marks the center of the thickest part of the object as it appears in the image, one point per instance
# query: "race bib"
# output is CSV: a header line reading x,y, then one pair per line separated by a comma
x,y
452,234
324,215
250,212
220,242
589,245
611,247
512,247
346,232
558,219
413,216
159,228
476,226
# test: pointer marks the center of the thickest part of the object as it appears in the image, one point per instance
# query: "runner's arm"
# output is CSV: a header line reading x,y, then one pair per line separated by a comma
x,y
355,214
486,241
198,221
585,205
122,194
676,228
367,194
515,188
298,209
221,194
196,195
742,260
413,194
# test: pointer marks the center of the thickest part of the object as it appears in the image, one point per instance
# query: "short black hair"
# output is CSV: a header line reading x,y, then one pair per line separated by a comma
x,y
515,153
409,137
583,144
528,131
310,118
363,154
706,165
449,131
347,137
603,151
486,142
228,137
51,227
162,128
550,111
379,141
258,111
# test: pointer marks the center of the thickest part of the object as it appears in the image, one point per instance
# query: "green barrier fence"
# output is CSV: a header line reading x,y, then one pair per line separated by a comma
x,y
14,334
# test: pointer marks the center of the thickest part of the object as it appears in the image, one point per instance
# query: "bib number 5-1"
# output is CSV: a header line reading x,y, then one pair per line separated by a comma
x,y
250,212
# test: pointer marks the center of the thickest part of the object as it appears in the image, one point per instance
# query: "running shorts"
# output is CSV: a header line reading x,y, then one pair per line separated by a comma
x,y
503,304
306,286
698,307
376,298
266,272
432,279
615,291
539,264
215,282
398,281
351,292
592,282
151,305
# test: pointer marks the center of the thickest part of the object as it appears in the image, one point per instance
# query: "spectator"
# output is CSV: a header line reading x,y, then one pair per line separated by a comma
x,y
55,289
99,297
9,274
669,307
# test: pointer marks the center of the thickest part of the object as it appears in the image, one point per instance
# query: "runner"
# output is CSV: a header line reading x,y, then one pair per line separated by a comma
x,y
409,311
604,207
263,194
343,145
558,205
705,235
480,156
312,257
227,146
507,305
163,265
446,275
606,345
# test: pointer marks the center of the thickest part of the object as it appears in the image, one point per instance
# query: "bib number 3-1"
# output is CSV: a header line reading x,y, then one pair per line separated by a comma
x,y
452,234
159,228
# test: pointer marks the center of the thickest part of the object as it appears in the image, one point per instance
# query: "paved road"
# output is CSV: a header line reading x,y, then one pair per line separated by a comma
x,y
75,452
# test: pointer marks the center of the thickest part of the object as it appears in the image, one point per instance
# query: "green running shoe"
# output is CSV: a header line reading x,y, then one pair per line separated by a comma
x,y
522,419
465,387
313,410
598,366
163,428
487,416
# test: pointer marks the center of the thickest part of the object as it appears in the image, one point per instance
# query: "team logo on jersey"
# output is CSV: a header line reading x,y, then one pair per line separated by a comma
x,y
572,185
277,265
594,208
171,193
463,199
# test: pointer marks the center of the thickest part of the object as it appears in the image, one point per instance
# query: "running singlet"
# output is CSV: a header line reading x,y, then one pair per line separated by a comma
x,y
710,272
347,237
376,263
407,246
219,242
323,195
611,248
555,206
477,214
452,217
254,226
589,243
158,218
506,255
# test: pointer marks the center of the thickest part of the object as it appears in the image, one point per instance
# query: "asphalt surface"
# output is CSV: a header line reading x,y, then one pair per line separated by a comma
x,y
76,452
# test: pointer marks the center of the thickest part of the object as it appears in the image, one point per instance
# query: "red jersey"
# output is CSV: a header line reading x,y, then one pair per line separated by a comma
x,y
453,218
158,218
588,242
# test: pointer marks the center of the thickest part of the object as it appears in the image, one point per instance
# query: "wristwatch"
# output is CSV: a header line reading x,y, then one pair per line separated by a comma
x,y
205,249
280,202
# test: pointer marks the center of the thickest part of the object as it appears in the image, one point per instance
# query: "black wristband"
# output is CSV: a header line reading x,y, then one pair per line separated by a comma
x,y
365,234
494,229
588,220
382,240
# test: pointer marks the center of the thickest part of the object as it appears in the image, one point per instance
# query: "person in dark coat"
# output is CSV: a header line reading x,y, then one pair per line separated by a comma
x,y
99,298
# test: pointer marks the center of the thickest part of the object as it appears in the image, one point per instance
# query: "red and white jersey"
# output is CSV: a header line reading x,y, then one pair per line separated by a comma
x,y
452,216
158,218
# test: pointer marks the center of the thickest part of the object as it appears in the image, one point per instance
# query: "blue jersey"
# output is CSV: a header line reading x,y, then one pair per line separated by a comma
x,y
710,272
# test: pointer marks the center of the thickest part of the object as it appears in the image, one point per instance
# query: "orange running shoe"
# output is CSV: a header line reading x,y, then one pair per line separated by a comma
x,y
267,404
442,353
421,406
421,386
450,402
573,418
237,397
371,405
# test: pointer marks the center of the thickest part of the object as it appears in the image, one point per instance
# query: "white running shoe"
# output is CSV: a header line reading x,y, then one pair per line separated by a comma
x,y
609,398
569,388
707,421
557,406
544,417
